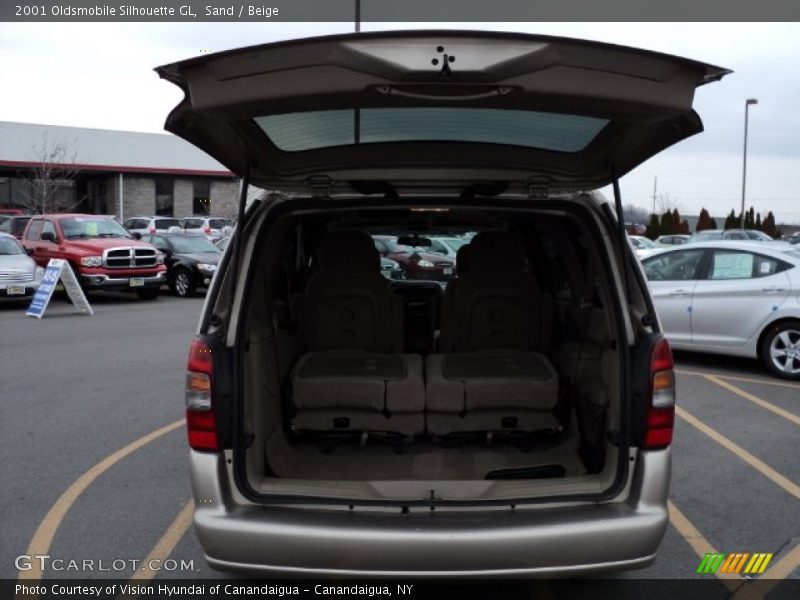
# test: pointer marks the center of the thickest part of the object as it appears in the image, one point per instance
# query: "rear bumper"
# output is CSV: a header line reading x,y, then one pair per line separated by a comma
x,y
104,282
536,542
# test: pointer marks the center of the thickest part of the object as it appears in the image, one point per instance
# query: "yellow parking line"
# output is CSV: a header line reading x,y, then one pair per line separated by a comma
x,y
164,546
751,460
699,543
793,386
43,538
754,399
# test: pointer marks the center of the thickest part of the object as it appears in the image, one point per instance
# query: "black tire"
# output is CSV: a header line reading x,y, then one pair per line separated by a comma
x,y
148,293
182,285
780,350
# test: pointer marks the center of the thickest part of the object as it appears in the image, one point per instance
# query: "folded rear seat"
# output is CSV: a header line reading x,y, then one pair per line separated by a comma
x,y
491,375
353,377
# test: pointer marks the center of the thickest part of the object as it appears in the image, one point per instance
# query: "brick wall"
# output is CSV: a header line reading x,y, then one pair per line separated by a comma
x,y
183,195
140,196
224,198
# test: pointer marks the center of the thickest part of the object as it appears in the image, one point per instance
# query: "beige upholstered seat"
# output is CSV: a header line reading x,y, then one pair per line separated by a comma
x,y
491,374
353,376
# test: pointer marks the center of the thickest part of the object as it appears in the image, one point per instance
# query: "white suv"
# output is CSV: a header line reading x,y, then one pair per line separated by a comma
x,y
147,225
213,228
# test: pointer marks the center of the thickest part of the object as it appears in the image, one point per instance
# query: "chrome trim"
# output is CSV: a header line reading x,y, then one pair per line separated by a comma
x,y
92,280
126,257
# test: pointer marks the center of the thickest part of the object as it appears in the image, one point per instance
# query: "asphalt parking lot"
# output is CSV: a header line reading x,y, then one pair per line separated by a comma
x,y
95,451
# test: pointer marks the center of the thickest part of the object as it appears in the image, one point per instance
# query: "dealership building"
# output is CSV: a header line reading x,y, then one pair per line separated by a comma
x,y
102,171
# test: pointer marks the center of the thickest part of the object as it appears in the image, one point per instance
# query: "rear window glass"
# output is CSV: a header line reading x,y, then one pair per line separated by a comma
x,y
193,223
295,132
167,223
217,223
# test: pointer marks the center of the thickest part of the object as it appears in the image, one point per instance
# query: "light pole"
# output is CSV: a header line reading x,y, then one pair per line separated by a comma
x,y
747,104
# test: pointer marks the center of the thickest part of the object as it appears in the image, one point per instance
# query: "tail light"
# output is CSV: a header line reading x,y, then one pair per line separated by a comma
x,y
207,230
201,421
661,412
152,230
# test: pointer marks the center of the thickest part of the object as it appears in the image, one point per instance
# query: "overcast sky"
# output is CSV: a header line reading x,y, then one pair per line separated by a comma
x,y
101,75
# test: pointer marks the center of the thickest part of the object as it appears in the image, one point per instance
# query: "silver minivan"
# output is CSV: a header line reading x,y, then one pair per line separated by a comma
x,y
517,421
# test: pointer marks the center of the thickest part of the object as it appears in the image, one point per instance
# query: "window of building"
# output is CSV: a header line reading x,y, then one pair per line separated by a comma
x,y
201,203
164,197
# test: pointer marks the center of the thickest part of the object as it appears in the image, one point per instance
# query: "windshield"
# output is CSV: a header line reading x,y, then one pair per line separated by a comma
x,y
758,235
707,236
92,227
9,246
190,244
643,242
454,243
164,224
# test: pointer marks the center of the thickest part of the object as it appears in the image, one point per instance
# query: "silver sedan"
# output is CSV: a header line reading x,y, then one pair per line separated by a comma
x,y
735,298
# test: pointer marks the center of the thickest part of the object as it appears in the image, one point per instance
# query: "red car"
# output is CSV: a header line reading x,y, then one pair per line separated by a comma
x,y
103,255
417,262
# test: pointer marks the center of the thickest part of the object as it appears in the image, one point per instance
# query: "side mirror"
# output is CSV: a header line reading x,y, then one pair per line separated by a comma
x,y
48,236
28,251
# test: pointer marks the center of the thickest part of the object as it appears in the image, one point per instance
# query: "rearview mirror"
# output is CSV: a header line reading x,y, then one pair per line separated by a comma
x,y
414,240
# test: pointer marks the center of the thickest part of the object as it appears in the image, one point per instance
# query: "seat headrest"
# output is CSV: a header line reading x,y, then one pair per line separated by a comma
x,y
352,251
497,251
462,259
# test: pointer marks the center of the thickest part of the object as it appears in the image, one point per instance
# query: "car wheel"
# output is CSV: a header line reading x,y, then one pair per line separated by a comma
x,y
780,350
182,285
147,293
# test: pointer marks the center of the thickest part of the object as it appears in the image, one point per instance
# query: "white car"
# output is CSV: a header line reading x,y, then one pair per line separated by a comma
x,y
643,246
672,240
19,275
736,298
145,225
214,228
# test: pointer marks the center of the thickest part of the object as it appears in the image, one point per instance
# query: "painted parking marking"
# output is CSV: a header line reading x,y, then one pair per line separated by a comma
x,y
759,465
786,384
754,399
699,544
43,538
164,547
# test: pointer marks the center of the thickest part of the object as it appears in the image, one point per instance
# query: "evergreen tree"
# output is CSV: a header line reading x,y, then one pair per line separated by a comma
x,y
653,228
667,224
704,221
768,226
758,221
750,219
713,223
731,221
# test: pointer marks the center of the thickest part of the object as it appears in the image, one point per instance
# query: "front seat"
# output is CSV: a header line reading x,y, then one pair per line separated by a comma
x,y
491,374
353,377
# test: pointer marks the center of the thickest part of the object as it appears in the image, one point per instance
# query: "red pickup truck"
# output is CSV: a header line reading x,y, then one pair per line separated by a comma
x,y
102,253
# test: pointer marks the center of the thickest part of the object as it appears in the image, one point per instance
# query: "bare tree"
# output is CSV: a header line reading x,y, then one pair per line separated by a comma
x,y
635,214
52,179
665,203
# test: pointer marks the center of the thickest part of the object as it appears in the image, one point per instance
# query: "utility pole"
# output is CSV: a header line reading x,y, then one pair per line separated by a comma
x,y
358,15
655,185
747,104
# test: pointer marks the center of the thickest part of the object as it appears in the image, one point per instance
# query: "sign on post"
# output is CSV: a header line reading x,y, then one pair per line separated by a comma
x,y
58,269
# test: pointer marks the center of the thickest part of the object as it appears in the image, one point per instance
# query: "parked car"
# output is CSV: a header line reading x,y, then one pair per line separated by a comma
x,y
530,434
102,253
139,226
191,261
642,246
13,225
735,298
712,235
672,240
418,262
19,275
791,239
447,245
391,269
211,227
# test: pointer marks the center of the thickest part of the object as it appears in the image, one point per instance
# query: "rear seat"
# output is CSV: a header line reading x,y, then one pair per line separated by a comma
x,y
491,375
353,377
